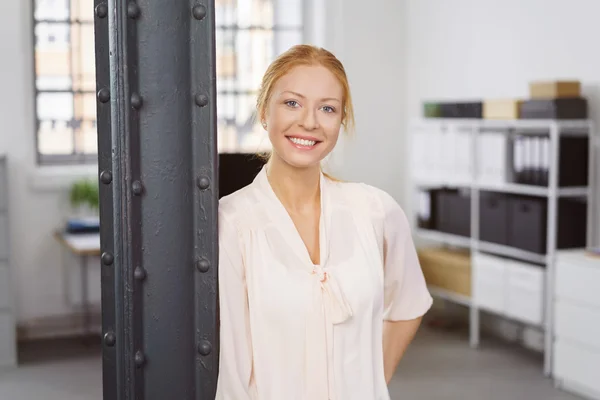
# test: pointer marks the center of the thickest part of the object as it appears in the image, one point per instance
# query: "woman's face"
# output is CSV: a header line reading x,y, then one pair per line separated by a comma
x,y
304,115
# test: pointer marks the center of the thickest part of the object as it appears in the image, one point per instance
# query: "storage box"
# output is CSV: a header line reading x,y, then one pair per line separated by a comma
x,y
454,211
563,108
493,217
447,269
554,89
471,109
432,110
528,223
501,109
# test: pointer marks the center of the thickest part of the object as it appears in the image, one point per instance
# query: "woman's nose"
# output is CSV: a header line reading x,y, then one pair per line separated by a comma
x,y
309,120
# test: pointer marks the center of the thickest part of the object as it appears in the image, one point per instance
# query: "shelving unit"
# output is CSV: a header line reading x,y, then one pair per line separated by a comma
x,y
463,170
7,320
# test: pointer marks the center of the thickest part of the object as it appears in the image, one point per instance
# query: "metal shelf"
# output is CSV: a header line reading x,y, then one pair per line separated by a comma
x,y
512,188
525,124
445,238
445,177
512,252
450,296
492,248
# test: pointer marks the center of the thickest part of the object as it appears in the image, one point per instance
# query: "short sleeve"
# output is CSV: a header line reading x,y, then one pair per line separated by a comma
x,y
235,369
406,296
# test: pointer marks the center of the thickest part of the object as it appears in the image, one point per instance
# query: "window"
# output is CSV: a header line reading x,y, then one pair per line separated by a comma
x,y
250,33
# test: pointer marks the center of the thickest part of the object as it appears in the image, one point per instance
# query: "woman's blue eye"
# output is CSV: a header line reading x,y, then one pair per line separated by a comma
x,y
291,103
329,109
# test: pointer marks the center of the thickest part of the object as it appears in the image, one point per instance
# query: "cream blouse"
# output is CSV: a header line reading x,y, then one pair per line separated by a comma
x,y
291,330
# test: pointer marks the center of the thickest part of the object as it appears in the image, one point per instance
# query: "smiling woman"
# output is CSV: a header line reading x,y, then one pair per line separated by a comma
x,y
320,286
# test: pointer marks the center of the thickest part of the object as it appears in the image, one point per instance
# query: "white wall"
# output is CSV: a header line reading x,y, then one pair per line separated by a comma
x,y
477,49
38,197
370,39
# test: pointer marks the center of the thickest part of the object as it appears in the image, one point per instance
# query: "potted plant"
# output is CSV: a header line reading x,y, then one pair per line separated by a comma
x,y
84,198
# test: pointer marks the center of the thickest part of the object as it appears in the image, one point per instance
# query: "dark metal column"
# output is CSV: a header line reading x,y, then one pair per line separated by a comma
x,y
155,63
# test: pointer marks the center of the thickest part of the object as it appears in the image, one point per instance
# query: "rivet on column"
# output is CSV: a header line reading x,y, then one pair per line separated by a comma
x,y
106,177
107,258
101,10
104,95
199,11
110,339
139,359
137,188
204,347
136,101
203,265
133,10
201,100
203,182
139,273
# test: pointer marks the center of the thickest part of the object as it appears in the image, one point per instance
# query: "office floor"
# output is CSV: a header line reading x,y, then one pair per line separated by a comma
x,y
439,365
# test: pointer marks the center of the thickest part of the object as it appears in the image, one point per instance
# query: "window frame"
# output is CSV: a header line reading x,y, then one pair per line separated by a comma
x,y
87,159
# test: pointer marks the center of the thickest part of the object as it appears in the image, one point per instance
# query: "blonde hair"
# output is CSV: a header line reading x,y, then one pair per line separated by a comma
x,y
306,55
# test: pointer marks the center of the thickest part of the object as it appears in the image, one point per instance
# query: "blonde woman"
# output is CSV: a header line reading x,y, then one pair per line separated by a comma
x,y
320,287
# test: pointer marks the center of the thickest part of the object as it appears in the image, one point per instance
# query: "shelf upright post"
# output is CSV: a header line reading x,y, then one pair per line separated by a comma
x,y
593,192
473,308
551,245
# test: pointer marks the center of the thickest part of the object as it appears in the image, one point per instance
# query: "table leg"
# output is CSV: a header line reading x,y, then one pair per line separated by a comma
x,y
85,296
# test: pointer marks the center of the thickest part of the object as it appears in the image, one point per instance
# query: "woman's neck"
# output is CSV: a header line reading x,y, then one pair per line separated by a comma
x,y
298,189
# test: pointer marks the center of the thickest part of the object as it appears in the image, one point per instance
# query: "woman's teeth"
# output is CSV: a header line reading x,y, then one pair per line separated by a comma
x,y
303,142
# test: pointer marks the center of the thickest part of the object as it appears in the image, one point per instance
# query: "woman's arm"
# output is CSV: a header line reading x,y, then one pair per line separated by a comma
x,y
406,298
397,335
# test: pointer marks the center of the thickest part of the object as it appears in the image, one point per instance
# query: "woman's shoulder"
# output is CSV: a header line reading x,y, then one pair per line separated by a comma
x,y
235,207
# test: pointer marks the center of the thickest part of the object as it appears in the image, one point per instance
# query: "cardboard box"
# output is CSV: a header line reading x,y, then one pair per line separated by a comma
x,y
447,269
501,109
554,89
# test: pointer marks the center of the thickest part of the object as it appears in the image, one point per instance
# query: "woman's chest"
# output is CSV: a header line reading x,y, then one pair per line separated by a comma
x,y
282,281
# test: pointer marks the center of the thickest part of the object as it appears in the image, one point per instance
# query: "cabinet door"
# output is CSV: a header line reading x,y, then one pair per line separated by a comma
x,y
5,287
7,340
525,297
3,237
490,278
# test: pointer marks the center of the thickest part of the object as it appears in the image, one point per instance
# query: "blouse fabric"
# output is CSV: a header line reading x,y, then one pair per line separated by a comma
x,y
292,330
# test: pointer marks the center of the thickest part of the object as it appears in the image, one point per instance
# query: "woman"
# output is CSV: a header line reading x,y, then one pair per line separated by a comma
x,y
320,286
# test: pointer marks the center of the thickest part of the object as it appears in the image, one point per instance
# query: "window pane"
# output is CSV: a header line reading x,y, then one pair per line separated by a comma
x,y
51,10
52,36
83,57
53,83
82,10
248,62
85,107
254,13
55,137
86,141
55,106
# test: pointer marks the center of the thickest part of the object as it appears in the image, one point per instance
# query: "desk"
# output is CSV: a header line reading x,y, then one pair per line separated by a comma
x,y
83,245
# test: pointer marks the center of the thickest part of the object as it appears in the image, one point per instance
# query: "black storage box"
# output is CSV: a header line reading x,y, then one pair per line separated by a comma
x,y
528,223
559,108
572,166
493,217
454,211
462,110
